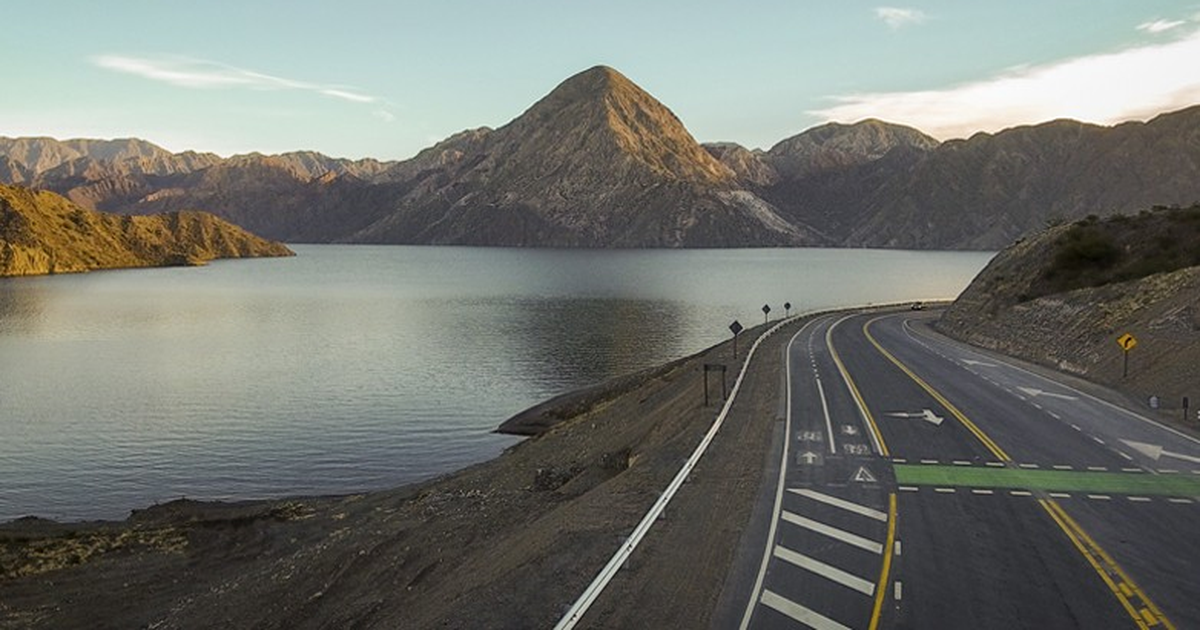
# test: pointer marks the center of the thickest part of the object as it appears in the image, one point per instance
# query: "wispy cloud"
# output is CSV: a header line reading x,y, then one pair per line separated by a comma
x,y
897,18
1104,88
1160,26
193,73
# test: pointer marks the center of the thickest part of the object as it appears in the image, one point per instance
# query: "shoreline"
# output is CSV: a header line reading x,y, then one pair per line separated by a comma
x,y
508,540
533,421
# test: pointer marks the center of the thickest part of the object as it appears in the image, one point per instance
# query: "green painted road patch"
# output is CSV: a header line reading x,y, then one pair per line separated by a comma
x,y
1177,485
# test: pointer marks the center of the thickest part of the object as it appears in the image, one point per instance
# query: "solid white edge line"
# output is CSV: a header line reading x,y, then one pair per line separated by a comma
x,y
783,464
849,506
575,613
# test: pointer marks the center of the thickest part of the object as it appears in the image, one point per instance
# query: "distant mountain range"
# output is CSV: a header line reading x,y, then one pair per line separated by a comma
x,y
598,162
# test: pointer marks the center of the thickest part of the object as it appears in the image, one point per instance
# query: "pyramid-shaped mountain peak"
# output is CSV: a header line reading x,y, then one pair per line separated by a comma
x,y
600,119
599,82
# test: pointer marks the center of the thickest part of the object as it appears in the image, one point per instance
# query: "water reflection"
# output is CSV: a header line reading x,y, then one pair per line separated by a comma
x,y
22,301
562,344
355,367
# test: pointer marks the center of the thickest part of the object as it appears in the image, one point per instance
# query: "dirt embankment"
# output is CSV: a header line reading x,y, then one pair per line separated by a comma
x,y
1062,299
509,543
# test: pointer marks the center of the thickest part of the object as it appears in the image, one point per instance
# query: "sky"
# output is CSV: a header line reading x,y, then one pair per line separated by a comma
x,y
386,78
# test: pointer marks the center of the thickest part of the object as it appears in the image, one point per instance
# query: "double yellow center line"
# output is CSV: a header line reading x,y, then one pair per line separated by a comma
x,y
1144,613
960,416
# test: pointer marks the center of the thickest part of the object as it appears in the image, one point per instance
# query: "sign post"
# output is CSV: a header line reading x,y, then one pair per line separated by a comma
x,y
766,313
1127,342
714,367
735,328
787,309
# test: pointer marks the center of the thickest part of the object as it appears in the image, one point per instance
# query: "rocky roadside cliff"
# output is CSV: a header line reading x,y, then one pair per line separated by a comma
x,y
43,233
1061,298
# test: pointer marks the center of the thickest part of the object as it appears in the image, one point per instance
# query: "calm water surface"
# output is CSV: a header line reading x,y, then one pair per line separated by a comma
x,y
351,368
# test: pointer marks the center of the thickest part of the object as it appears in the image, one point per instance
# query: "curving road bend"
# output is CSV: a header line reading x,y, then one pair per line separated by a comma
x,y
925,484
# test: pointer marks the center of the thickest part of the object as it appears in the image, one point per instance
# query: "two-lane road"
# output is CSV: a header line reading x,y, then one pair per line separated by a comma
x,y
927,485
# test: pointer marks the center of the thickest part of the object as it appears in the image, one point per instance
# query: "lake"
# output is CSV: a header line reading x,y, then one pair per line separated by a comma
x,y
352,368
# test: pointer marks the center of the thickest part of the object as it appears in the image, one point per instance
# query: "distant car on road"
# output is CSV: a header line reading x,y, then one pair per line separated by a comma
x,y
916,306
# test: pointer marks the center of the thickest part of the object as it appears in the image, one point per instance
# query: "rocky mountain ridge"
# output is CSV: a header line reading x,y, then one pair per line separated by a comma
x,y
44,233
599,162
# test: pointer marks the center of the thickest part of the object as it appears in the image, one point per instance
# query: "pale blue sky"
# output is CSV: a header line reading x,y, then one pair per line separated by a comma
x,y
362,78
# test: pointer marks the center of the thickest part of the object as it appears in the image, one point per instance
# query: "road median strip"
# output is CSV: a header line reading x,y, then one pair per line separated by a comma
x,y
1088,482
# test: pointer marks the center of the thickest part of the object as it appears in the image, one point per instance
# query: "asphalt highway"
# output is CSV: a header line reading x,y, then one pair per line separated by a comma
x,y
925,484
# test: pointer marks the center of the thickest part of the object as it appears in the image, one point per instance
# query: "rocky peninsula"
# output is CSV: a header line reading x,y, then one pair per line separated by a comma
x,y
44,233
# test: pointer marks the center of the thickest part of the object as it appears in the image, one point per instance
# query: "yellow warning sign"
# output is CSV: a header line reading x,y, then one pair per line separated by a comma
x,y
1127,342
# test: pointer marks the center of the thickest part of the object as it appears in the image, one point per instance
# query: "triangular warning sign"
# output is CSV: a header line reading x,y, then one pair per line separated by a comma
x,y
863,476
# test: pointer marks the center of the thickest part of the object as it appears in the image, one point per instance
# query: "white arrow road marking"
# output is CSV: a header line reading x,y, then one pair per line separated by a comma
x,y
925,414
1154,451
809,457
931,418
1032,393
979,363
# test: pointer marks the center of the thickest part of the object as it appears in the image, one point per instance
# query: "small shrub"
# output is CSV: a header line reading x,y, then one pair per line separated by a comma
x,y
1085,248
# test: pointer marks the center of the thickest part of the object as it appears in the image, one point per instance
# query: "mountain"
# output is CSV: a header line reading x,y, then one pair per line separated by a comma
x,y
837,146
820,177
597,162
1063,296
986,191
42,154
44,233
